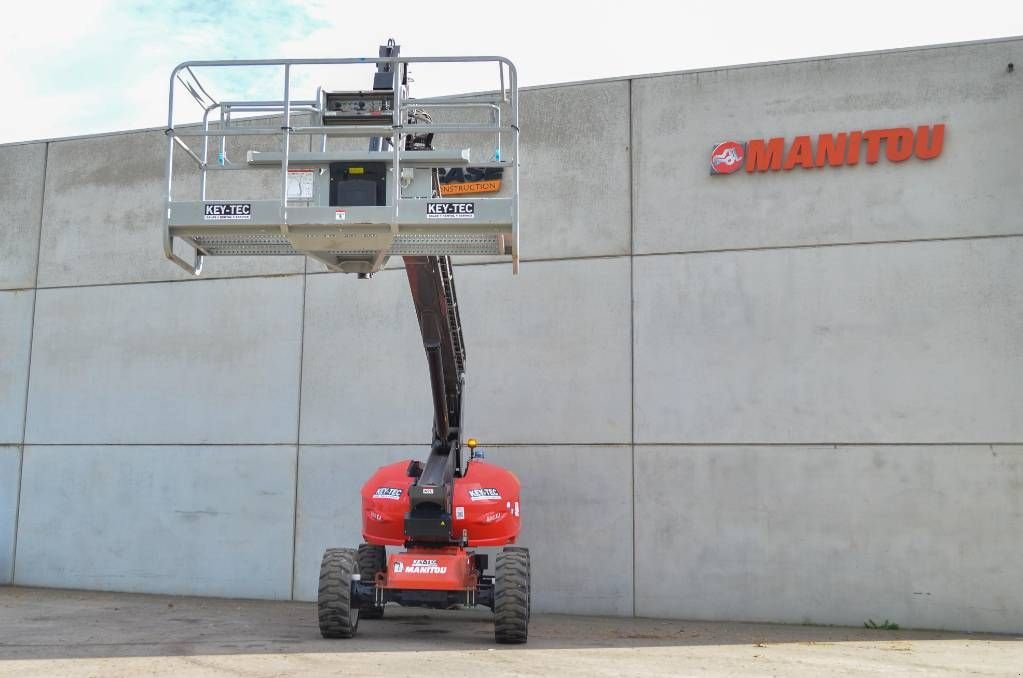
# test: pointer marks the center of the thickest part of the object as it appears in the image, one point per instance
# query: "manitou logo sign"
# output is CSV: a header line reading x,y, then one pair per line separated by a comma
x,y
828,150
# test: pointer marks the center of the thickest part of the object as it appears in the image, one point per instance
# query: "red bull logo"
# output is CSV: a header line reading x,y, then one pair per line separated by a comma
x,y
829,150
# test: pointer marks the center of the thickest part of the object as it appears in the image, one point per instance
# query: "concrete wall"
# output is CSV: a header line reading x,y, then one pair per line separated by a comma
x,y
791,396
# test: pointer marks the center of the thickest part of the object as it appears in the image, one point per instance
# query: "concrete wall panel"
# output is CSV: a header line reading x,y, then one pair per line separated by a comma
x,y
330,479
119,238
364,373
678,118
548,352
575,171
15,339
548,356
213,361
189,520
831,535
10,461
577,523
21,194
918,342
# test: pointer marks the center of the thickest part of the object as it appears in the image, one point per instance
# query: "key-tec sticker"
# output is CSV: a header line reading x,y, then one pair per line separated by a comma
x,y
484,494
219,211
387,493
450,210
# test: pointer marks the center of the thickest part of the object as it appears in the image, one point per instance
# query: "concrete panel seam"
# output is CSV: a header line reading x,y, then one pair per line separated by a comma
x,y
298,429
477,264
782,62
298,421
723,250
924,443
200,279
17,512
860,243
186,443
28,370
632,339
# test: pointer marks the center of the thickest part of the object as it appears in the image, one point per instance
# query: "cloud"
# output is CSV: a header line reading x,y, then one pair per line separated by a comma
x,y
102,66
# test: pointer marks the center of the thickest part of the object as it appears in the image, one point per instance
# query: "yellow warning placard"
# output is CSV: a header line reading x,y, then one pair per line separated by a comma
x,y
461,188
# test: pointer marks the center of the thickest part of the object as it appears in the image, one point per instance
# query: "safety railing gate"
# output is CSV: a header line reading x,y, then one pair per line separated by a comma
x,y
333,205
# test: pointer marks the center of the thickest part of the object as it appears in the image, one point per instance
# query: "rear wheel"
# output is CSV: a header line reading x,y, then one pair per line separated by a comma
x,y
511,596
372,559
338,619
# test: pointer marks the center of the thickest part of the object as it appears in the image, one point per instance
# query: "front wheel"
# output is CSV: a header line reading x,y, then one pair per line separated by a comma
x,y
512,596
338,619
372,559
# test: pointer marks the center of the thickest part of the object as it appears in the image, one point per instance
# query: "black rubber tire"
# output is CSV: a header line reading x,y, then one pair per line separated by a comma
x,y
529,573
512,596
338,619
372,559
519,549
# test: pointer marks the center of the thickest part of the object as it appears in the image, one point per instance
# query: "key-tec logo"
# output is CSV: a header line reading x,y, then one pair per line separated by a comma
x,y
828,150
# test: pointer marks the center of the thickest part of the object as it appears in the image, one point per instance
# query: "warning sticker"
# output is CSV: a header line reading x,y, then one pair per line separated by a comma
x,y
216,211
450,210
300,184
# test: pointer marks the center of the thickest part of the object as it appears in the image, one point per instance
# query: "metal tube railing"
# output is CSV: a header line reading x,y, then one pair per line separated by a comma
x,y
287,106
286,148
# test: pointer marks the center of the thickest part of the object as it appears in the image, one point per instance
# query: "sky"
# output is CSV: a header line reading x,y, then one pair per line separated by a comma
x,y
92,66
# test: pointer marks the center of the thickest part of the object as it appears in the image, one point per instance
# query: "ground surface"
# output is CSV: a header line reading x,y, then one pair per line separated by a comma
x,y
78,634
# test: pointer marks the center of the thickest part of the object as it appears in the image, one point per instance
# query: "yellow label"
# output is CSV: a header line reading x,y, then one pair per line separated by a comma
x,y
490,186
356,170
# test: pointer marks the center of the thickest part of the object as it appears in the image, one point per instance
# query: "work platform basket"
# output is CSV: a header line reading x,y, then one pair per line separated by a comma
x,y
403,193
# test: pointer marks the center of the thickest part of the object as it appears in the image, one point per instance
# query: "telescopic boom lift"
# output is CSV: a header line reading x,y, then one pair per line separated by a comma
x,y
352,211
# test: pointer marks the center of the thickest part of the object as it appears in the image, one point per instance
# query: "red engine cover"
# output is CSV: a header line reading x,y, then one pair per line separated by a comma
x,y
485,504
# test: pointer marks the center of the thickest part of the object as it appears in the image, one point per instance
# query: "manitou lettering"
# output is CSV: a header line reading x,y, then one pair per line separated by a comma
x,y
421,566
828,150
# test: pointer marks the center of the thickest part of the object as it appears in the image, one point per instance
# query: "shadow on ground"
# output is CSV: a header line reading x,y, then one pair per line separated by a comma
x,y
61,624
